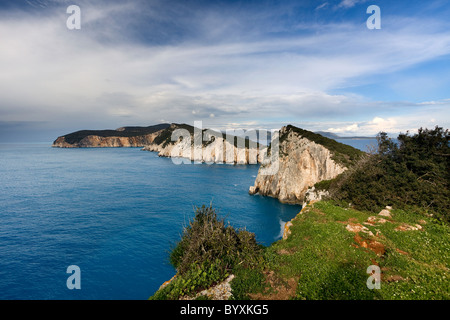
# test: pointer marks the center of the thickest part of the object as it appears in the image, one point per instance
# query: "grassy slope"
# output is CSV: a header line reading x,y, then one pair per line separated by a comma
x,y
323,260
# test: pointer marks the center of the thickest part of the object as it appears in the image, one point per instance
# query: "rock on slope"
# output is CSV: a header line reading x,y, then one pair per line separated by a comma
x,y
305,159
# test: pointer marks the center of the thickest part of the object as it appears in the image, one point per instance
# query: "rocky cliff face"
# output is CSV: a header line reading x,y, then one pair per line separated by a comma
x,y
175,140
211,147
302,163
121,137
94,141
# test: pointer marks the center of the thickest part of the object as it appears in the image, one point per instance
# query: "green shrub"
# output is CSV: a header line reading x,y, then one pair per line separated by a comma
x,y
208,251
414,173
208,238
324,184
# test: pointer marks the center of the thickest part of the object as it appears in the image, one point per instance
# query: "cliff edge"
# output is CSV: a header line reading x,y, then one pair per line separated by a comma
x,y
305,158
204,145
171,140
121,137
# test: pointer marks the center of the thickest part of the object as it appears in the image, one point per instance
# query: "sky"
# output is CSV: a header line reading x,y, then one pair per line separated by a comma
x,y
230,64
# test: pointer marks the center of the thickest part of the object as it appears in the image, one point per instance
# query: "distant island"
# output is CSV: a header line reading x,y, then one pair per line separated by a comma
x,y
121,137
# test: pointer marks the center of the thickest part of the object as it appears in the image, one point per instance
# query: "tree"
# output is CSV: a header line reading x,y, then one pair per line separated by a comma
x,y
415,172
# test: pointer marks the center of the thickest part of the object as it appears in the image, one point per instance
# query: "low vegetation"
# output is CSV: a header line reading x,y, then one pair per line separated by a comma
x,y
333,242
322,259
411,174
327,261
209,250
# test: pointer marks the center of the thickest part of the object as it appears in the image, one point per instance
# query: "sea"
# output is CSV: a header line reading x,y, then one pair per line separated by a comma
x,y
114,213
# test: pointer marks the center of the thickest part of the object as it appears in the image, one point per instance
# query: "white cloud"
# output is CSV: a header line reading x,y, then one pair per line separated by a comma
x,y
347,129
394,125
51,73
350,3
322,6
380,124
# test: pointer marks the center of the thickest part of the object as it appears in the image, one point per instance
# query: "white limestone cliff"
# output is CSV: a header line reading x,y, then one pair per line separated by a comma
x,y
220,149
302,163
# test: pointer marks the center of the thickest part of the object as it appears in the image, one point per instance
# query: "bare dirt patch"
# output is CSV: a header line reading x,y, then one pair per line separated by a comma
x,y
370,244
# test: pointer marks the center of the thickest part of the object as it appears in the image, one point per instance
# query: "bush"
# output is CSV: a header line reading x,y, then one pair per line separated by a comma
x,y
208,251
413,173
207,238
324,184
195,279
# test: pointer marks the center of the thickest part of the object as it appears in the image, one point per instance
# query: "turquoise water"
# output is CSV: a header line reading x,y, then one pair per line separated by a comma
x,y
114,212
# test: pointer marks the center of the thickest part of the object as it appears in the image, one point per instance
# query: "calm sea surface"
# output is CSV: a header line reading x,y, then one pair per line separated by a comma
x,y
114,212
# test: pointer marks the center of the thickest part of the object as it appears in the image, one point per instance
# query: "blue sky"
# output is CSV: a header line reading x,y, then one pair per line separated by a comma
x,y
230,64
